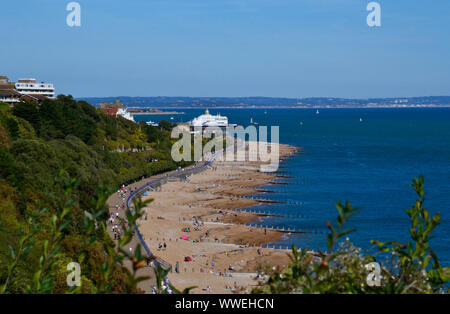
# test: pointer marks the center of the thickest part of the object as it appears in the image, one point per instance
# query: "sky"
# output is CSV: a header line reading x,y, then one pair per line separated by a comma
x,y
226,48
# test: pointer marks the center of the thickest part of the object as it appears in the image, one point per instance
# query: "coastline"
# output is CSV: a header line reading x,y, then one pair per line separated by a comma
x,y
221,235
156,113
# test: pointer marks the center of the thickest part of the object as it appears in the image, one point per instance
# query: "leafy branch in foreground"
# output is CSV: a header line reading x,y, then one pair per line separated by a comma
x,y
117,256
412,267
419,267
161,275
55,224
26,243
52,224
59,221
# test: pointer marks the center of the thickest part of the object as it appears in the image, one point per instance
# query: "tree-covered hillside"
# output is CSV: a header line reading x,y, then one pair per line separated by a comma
x,y
37,141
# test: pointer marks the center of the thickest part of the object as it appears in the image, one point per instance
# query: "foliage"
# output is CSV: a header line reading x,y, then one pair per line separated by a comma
x,y
160,275
51,261
38,141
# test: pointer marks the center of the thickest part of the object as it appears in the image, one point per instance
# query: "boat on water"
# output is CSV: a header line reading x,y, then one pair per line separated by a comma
x,y
317,112
209,120
122,112
151,123
251,121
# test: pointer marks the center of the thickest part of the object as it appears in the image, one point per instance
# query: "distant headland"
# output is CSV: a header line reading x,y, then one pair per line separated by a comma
x,y
272,102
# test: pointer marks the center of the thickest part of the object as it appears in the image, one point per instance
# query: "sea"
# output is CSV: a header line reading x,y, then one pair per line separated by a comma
x,y
368,157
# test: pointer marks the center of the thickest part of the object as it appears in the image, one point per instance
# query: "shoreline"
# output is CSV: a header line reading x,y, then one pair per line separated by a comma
x,y
310,107
156,113
196,219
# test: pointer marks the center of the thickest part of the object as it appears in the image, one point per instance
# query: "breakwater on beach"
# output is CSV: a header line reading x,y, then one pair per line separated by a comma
x,y
193,224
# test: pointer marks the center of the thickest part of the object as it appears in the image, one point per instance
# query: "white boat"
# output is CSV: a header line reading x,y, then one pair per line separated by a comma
x,y
151,123
317,112
122,112
208,120
360,120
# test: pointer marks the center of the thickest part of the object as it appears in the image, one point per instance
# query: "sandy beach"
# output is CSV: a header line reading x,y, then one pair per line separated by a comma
x,y
195,219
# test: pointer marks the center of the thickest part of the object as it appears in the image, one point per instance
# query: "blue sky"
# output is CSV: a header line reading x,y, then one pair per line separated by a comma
x,y
279,48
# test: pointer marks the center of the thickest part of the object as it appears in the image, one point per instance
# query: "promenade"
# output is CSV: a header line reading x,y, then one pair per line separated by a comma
x,y
119,202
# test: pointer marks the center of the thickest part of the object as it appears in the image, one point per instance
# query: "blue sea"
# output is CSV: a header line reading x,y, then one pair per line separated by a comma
x,y
369,163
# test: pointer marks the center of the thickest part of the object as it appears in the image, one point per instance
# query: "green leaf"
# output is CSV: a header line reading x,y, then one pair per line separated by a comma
x,y
11,252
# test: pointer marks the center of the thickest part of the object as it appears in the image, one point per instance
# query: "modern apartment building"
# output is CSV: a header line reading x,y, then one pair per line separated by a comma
x,y
27,89
29,86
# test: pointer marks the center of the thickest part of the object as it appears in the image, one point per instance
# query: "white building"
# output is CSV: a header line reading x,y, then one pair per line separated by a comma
x,y
29,86
9,96
122,112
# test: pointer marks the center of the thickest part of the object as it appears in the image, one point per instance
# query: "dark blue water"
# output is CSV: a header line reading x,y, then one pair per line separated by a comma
x,y
370,163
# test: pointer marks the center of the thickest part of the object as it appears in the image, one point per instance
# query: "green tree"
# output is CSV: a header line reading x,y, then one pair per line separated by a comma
x,y
28,111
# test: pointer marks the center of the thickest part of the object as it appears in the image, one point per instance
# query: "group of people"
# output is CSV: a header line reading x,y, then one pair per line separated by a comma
x,y
197,224
114,219
115,228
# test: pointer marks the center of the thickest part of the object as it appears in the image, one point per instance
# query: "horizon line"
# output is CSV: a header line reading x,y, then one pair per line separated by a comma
x,y
273,97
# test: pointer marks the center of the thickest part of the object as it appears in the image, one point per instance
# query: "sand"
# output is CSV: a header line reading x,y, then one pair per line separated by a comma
x,y
221,236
